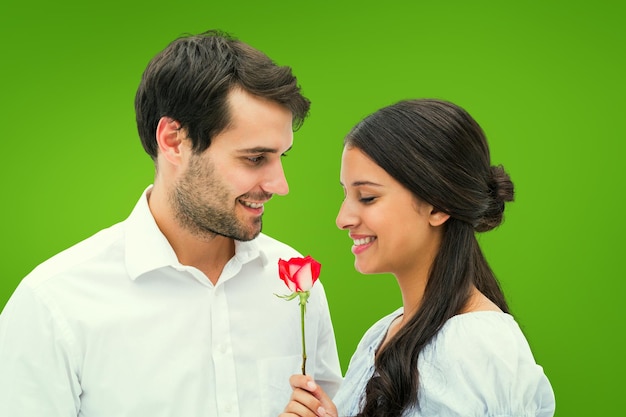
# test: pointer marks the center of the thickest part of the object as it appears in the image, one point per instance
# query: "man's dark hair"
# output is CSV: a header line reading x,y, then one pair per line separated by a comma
x,y
189,81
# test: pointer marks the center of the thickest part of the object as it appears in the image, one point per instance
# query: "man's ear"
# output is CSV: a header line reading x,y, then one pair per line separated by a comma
x,y
169,138
437,217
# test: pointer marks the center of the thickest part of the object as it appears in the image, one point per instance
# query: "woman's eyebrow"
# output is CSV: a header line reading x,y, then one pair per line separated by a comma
x,y
360,183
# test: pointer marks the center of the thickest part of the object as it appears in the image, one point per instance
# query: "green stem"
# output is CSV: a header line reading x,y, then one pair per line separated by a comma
x,y
303,341
304,295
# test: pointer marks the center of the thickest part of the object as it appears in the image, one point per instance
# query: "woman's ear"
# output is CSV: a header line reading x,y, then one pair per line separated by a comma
x,y
437,217
169,138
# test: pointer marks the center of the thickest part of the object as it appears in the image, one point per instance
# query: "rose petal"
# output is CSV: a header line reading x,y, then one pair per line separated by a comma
x,y
304,278
315,268
283,273
299,274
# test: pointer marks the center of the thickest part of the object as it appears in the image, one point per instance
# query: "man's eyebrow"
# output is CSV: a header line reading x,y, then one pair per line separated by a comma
x,y
260,149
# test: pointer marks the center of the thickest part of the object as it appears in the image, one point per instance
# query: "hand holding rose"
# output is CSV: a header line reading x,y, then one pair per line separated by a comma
x,y
308,399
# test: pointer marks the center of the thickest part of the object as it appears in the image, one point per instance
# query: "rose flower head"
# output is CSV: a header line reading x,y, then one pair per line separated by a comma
x,y
299,274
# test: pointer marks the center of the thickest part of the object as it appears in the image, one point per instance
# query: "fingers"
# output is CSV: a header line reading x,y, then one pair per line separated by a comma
x,y
306,383
309,399
303,404
302,382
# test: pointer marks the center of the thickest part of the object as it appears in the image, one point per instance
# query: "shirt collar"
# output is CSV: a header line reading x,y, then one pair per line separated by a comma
x,y
247,251
147,248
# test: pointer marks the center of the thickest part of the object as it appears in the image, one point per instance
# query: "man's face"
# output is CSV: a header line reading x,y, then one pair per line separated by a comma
x,y
222,190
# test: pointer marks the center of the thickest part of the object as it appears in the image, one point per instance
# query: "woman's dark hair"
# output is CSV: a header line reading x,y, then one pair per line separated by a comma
x,y
437,151
189,81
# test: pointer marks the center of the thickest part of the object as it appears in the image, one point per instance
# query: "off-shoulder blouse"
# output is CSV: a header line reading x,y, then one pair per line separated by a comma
x,y
478,365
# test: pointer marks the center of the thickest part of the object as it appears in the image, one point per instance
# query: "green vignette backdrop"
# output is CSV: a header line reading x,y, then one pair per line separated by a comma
x,y
544,79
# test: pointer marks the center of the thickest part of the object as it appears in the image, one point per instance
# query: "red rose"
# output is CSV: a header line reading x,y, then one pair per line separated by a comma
x,y
299,274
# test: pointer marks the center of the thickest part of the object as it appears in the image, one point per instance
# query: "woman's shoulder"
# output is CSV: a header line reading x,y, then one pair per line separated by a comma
x,y
480,321
480,333
483,357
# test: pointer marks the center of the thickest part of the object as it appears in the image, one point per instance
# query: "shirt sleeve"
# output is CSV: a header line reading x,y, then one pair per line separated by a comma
x,y
327,367
37,373
483,368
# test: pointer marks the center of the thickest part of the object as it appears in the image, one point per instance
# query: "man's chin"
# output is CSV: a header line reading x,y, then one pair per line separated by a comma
x,y
250,234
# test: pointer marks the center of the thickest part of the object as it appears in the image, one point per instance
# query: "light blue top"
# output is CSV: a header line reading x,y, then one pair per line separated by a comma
x,y
478,365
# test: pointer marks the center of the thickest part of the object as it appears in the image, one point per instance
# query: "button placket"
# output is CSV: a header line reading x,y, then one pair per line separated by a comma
x,y
222,354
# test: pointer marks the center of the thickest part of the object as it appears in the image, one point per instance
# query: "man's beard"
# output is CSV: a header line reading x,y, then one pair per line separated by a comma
x,y
201,206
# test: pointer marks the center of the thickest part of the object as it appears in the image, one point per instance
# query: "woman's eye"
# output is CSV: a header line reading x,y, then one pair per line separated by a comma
x,y
367,200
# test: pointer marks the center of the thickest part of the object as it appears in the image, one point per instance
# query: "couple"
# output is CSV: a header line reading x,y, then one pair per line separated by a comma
x,y
172,312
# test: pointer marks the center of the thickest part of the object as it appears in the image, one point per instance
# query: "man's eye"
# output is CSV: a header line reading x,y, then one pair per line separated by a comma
x,y
256,159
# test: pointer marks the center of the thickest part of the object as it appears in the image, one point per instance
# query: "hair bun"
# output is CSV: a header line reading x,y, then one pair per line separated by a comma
x,y
501,190
500,184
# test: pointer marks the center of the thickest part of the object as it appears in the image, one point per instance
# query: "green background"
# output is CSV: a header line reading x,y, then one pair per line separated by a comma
x,y
544,79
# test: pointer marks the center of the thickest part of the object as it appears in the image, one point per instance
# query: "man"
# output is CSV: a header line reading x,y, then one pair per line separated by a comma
x,y
173,311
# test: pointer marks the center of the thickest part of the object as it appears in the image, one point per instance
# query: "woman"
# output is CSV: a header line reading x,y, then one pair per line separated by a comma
x,y
418,185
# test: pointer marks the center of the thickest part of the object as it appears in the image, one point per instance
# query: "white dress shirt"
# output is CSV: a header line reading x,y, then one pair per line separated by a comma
x,y
115,326
478,365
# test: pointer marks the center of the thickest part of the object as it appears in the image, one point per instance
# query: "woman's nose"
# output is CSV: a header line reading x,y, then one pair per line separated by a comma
x,y
346,217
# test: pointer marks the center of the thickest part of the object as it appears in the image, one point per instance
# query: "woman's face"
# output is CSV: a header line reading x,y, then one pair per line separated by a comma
x,y
393,231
